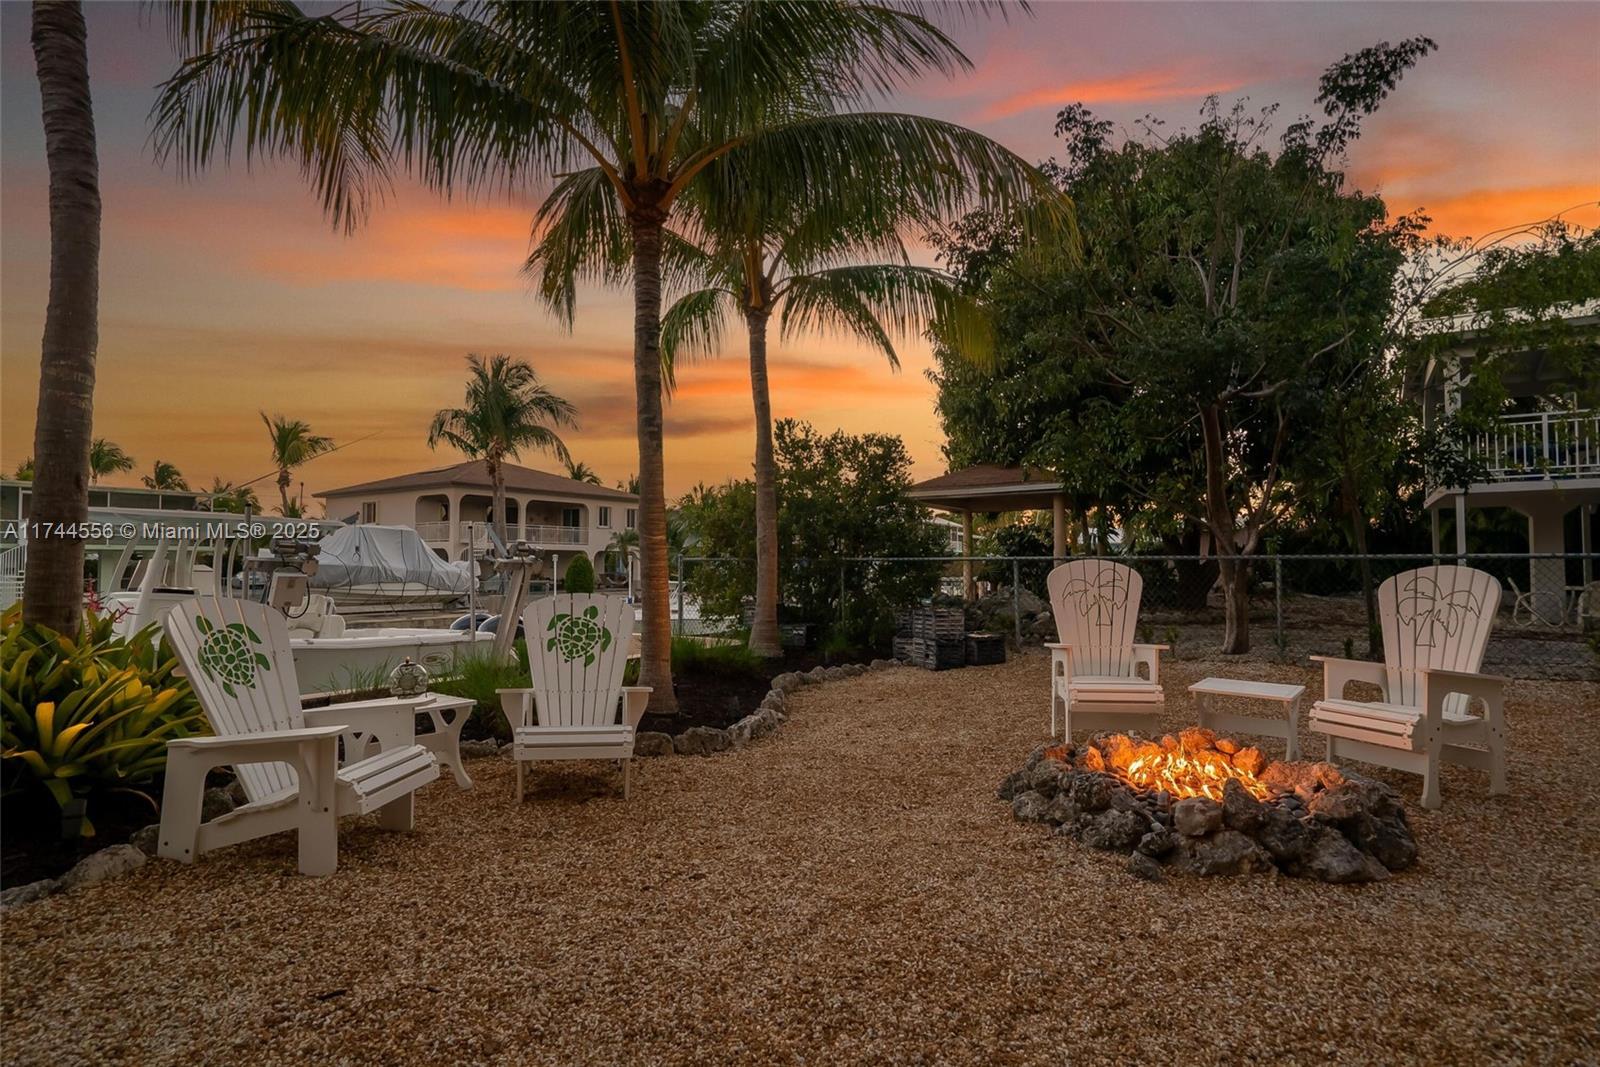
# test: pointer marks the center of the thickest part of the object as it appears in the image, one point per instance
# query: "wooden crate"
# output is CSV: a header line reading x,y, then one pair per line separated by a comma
x,y
984,649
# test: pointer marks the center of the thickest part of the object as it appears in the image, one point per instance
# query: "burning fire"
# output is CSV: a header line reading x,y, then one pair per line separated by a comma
x,y
1193,764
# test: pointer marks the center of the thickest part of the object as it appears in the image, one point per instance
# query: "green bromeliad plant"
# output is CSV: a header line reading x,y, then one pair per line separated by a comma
x,y
89,715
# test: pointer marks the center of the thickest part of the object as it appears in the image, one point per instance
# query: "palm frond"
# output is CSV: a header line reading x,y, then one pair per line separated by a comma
x,y
692,328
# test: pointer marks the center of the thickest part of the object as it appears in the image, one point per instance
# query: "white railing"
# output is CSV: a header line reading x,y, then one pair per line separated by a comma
x,y
1546,444
13,562
536,533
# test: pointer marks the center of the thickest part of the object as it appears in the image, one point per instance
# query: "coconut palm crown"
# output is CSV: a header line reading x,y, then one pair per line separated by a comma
x,y
507,409
293,446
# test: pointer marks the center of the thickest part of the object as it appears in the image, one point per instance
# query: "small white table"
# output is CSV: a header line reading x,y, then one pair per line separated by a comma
x,y
444,740
1207,690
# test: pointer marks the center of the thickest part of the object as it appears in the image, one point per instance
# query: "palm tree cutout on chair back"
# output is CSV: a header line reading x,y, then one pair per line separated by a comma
x,y
1096,607
1435,618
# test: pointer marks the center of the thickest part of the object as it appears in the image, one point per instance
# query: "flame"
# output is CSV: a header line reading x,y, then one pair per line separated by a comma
x,y
1189,765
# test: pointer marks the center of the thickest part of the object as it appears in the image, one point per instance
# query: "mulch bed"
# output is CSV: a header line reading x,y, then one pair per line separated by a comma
x,y
848,890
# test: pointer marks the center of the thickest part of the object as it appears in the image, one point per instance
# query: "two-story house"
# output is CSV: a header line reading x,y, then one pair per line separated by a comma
x,y
558,516
1541,459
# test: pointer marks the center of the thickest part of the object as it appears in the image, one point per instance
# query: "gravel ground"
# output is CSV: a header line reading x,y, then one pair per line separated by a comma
x,y
848,890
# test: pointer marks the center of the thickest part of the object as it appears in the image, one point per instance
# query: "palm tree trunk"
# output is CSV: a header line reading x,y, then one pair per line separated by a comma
x,y
765,638
284,482
497,479
655,653
53,588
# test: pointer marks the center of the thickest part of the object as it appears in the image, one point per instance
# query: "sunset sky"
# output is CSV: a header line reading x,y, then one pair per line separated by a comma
x,y
232,294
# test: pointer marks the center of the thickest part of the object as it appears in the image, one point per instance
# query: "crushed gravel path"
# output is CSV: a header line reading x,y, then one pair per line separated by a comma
x,y
848,890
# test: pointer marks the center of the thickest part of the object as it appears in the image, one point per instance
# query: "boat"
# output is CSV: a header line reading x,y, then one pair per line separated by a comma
x,y
366,567
329,655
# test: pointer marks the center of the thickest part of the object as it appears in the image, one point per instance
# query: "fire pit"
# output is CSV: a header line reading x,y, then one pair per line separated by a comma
x,y
1200,804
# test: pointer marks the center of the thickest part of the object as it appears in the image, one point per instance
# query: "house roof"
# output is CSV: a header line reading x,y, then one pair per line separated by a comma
x,y
472,475
989,487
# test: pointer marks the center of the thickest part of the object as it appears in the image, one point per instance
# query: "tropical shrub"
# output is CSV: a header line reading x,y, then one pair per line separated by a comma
x,y
87,716
477,678
580,576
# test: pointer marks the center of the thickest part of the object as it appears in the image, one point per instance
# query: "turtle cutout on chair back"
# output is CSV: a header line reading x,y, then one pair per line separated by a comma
x,y
577,651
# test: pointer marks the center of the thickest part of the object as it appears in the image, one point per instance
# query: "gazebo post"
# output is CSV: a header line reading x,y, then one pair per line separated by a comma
x,y
1058,527
969,587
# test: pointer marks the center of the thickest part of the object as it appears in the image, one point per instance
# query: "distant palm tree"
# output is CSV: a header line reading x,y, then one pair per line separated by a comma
x,y
626,104
293,445
507,409
52,591
107,457
164,476
624,545
225,496
582,472
631,485
24,471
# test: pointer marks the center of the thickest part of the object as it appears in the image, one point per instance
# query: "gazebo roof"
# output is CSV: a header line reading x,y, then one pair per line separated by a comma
x,y
989,487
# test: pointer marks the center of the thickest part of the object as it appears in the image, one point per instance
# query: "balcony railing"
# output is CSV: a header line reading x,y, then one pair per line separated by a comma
x,y
1546,444
533,532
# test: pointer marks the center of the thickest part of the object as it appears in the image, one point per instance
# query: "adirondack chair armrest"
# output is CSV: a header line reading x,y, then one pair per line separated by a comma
x,y
1438,683
516,705
251,748
1150,655
1337,673
635,698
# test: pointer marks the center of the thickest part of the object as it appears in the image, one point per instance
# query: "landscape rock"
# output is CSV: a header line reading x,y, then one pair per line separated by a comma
x,y
1157,842
147,840
649,743
215,804
480,749
883,664
816,674
1062,810
1115,831
1283,835
236,793
1240,810
1196,816
1251,761
1330,857
101,866
742,732
1014,783
1045,777
1143,867
1336,805
1029,806
787,681
1223,853
1092,792
27,894
701,741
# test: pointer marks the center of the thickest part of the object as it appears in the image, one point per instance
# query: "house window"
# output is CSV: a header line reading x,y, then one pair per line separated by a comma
x,y
569,517
605,517
633,517
369,511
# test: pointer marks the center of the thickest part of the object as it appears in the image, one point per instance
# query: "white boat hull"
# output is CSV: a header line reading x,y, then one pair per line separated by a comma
x,y
362,659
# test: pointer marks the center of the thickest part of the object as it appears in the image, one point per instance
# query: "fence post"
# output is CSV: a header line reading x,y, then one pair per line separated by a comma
x,y
680,593
1016,599
1277,593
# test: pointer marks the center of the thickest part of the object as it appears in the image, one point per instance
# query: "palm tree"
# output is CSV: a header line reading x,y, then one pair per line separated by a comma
x,y
107,457
760,257
164,476
52,592
24,471
630,102
582,472
225,496
293,445
507,409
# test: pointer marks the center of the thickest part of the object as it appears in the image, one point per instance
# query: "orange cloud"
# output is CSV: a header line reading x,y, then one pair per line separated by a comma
x,y
1482,211
1136,87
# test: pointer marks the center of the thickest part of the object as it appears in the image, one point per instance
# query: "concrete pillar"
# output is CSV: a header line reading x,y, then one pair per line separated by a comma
x,y
1461,525
1433,516
969,586
1586,542
1547,578
1058,526
455,521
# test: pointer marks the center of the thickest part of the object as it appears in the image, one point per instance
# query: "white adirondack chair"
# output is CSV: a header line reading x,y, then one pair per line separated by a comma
x,y
236,655
1436,622
1094,670
577,707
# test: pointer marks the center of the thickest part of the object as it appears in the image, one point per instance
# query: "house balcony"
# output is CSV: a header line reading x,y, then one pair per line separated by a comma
x,y
1540,446
540,534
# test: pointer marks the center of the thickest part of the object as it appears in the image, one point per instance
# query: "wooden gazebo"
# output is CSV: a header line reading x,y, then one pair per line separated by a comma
x,y
988,488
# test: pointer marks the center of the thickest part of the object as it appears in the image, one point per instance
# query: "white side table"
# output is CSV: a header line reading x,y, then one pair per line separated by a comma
x,y
444,741
1207,690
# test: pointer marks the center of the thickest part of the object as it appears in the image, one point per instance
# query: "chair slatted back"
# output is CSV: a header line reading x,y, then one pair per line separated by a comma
x,y
1435,617
577,650
1096,607
237,657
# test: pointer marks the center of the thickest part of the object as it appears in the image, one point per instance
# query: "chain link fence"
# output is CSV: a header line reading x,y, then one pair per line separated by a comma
x,y
1548,625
